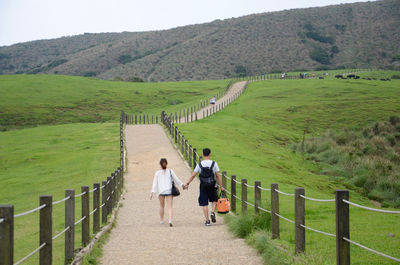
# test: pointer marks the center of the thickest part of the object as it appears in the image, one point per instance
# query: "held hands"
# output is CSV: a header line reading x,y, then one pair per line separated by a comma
x,y
151,195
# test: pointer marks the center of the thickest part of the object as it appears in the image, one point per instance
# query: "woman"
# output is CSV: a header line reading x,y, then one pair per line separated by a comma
x,y
162,185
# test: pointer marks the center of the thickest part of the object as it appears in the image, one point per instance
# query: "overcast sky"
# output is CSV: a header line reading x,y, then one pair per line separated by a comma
x,y
25,20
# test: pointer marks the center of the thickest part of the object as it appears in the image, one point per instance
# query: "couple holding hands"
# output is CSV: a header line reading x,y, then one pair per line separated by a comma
x,y
208,170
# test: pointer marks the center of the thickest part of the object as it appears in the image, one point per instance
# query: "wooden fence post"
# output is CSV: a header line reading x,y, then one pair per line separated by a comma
x,y
104,202
7,234
46,230
186,148
342,228
182,145
274,210
85,212
299,220
194,158
176,134
224,179
190,156
244,196
96,205
109,197
69,222
112,191
233,193
257,196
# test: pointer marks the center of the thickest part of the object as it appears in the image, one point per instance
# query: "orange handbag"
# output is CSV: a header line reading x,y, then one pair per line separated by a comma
x,y
223,203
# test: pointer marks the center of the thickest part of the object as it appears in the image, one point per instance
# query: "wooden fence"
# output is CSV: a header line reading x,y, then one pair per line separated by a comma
x,y
341,201
318,75
185,115
110,191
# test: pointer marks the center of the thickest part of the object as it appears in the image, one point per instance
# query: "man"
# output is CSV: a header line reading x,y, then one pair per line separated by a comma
x,y
208,169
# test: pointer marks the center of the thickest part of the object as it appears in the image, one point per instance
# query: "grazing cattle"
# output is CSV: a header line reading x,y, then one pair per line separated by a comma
x,y
339,76
321,77
357,77
351,76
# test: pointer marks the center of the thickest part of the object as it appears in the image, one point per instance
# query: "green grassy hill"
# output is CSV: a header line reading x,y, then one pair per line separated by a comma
x,y
83,148
29,100
49,160
270,116
363,35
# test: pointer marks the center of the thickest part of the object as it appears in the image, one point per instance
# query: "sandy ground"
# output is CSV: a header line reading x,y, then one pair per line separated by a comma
x,y
138,237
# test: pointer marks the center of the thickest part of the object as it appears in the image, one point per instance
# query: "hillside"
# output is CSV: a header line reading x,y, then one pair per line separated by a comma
x,y
31,100
350,35
271,115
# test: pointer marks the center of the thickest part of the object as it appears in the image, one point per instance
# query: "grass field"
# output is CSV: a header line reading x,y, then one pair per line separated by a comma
x,y
48,160
251,138
80,150
30,100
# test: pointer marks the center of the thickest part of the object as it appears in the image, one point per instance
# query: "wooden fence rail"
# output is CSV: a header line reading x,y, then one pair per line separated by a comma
x,y
318,75
341,201
110,192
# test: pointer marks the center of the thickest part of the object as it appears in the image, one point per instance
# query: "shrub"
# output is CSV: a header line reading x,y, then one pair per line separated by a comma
x,y
240,70
118,78
395,76
316,36
134,79
368,159
89,74
320,55
125,58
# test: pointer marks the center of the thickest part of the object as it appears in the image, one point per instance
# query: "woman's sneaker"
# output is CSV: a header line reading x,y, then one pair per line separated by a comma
x,y
207,223
213,217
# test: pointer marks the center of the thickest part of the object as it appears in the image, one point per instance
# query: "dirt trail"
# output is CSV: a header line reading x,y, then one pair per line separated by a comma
x,y
138,238
236,88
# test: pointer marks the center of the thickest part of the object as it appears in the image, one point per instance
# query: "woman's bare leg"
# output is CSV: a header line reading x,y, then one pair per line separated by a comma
x,y
169,201
162,205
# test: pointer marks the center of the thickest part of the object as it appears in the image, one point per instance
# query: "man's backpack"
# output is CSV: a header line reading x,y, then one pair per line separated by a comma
x,y
207,179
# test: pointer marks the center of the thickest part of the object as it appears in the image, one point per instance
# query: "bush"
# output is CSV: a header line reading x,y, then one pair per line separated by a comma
x,y
320,55
395,76
125,58
367,160
89,74
316,36
134,79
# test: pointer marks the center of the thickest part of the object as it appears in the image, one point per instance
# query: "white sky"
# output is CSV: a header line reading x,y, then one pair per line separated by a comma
x,y
25,20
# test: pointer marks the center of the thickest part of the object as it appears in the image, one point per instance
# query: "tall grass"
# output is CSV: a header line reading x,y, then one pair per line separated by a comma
x,y
368,158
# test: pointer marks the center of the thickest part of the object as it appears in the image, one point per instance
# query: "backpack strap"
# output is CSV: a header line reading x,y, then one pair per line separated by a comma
x,y
212,165
201,167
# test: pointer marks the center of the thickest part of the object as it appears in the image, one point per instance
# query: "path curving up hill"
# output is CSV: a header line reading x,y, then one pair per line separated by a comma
x,y
138,238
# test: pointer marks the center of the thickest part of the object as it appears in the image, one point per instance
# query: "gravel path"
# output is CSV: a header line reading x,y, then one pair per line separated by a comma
x,y
138,238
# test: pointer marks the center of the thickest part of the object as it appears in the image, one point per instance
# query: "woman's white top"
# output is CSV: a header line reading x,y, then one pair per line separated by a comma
x,y
162,182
